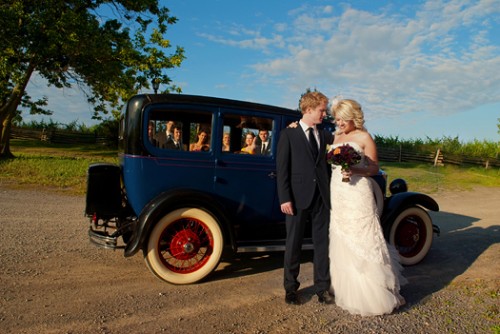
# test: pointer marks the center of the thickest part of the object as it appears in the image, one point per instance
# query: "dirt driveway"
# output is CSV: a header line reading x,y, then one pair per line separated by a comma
x,y
54,281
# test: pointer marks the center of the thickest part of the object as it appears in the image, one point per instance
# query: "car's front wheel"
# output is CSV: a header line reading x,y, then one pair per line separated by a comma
x,y
184,246
411,234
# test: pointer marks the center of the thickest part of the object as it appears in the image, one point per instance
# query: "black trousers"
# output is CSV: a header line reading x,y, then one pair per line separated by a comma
x,y
319,215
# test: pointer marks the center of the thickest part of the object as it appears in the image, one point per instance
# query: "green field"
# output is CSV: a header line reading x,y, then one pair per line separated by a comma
x,y
64,168
58,167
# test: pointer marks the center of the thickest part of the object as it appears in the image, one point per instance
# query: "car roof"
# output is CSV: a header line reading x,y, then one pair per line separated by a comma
x,y
215,101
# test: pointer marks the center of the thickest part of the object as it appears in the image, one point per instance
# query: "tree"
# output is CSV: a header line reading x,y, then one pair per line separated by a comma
x,y
109,49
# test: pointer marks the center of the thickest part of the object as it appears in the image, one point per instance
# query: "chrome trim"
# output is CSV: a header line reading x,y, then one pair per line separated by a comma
x,y
102,240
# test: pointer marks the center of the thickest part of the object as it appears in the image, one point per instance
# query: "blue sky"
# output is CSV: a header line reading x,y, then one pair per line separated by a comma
x,y
419,68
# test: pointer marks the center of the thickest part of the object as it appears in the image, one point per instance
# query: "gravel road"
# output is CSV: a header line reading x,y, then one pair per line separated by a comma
x,y
54,281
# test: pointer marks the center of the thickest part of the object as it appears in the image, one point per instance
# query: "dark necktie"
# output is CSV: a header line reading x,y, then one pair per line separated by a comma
x,y
313,142
263,148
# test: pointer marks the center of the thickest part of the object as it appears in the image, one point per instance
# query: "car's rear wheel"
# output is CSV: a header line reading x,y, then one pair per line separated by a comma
x,y
184,246
411,234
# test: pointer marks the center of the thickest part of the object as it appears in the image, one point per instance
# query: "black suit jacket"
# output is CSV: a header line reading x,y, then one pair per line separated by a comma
x,y
258,148
298,173
171,145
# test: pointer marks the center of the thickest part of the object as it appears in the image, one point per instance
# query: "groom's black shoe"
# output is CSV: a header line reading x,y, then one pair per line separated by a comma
x,y
324,297
292,298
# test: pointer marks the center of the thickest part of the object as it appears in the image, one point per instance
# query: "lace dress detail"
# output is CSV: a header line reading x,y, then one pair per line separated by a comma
x,y
364,269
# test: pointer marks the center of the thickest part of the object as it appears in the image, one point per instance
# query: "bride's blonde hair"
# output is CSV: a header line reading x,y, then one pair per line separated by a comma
x,y
349,110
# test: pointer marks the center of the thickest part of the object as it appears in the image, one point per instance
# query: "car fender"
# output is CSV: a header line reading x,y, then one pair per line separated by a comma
x,y
398,202
172,200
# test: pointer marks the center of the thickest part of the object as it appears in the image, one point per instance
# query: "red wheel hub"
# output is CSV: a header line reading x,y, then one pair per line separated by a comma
x,y
410,236
185,244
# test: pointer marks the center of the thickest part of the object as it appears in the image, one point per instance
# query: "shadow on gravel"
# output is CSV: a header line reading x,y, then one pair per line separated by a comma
x,y
451,254
243,264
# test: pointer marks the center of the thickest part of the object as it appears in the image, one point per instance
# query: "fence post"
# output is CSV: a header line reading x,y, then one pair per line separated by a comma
x,y
436,157
43,136
400,152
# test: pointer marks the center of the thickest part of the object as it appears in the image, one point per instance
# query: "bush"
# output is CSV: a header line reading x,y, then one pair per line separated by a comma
x,y
448,145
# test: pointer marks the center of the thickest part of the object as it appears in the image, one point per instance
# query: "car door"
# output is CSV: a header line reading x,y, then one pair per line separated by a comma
x,y
247,182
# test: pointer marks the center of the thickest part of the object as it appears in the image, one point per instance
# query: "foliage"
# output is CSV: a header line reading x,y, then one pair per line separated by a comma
x,y
108,127
108,48
52,125
447,145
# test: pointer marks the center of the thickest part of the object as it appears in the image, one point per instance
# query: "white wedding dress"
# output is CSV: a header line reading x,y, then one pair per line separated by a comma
x,y
364,269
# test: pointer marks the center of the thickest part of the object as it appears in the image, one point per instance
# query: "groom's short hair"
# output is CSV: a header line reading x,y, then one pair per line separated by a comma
x,y
312,100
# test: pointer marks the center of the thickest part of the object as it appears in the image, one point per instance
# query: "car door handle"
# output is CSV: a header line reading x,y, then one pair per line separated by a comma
x,y
272,175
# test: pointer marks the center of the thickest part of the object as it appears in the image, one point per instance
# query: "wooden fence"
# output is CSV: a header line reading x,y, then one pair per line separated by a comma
x,y
438,158
387,154
63,137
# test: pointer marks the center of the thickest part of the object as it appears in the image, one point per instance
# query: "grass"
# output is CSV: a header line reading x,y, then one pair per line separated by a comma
x,y
428,179
61,167
64,167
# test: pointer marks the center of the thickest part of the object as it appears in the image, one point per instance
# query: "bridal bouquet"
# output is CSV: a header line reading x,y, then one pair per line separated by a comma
x,y
344,156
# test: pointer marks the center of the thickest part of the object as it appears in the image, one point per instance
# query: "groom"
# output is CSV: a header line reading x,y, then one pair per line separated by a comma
x,y
304,193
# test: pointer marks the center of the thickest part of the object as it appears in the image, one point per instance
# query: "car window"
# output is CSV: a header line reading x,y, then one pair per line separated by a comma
x,y
184,130
241,134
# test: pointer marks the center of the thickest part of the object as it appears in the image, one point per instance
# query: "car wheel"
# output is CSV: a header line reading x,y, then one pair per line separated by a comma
x,y
411,234
184,246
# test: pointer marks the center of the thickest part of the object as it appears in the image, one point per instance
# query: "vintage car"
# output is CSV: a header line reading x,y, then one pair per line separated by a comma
x,y
188,196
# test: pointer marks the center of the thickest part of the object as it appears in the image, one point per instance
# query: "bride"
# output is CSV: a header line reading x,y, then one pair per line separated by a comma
x,y
364,269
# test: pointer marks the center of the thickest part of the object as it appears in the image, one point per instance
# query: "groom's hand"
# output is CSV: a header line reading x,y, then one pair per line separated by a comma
x,y
287,208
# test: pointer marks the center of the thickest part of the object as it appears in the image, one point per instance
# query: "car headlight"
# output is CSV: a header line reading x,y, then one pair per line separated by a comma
x,y
398,186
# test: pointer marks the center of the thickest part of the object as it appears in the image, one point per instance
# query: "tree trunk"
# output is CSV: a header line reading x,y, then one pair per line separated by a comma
x,y
5,130
8,110
5,127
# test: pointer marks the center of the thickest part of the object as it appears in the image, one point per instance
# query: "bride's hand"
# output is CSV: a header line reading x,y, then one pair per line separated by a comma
x,y
293,125
347,173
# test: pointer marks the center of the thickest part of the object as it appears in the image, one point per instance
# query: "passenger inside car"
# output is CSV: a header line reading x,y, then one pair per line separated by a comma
x,y
152,132
174,143
249,145
163,136
226,143
202,142
264,145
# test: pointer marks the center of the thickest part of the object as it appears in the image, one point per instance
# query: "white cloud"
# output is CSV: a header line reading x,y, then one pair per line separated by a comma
x,y
256,41
430,62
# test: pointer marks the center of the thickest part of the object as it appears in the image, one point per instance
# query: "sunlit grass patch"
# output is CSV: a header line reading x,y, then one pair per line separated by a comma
x,y
430,179
64,170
